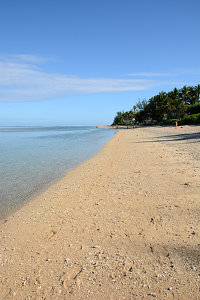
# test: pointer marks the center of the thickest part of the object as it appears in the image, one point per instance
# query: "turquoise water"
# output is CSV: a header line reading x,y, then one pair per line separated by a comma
x,y
31,158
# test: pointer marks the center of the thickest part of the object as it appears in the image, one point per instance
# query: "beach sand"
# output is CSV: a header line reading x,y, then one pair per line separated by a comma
x,y
123,225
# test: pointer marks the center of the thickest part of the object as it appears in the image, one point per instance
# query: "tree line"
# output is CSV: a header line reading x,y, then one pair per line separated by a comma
x,y
182,105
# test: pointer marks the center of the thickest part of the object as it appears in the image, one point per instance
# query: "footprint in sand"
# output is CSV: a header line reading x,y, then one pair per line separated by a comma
x,y
69,278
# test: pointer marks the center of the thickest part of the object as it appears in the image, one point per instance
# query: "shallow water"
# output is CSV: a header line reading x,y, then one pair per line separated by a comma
x,y
31,158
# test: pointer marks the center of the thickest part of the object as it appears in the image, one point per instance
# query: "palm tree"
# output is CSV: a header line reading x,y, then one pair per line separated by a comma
x,y
184,93
198,92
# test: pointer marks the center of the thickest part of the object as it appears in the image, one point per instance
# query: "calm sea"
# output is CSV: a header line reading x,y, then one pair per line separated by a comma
x,y
31,158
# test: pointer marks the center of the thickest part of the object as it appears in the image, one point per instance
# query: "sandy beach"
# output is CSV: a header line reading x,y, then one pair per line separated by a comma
x,y
123,225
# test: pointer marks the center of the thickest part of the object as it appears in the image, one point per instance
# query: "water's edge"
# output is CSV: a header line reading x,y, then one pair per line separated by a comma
x,y
28,198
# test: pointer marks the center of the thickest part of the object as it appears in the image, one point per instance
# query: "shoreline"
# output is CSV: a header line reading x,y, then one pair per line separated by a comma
x,y
118,225
40,188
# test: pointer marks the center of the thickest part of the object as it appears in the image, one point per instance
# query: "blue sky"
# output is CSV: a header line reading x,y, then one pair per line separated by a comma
x,y
79,62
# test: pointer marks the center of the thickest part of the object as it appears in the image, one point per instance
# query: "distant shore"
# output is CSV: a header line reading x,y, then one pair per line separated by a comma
x,y
124,224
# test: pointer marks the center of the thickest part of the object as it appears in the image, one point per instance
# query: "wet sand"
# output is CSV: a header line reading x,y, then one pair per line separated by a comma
x,y
123,225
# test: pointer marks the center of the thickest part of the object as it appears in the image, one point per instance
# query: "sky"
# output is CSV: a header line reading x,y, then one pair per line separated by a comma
x,y
79,62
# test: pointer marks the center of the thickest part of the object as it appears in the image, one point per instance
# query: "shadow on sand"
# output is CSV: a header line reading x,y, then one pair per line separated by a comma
x,y
189,137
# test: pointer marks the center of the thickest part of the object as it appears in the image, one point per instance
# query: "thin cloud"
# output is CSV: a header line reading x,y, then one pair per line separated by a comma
x,y
22,80
172,74
149,74
23,58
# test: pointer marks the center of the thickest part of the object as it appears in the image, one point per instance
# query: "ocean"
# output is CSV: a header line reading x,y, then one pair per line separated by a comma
x,y
32,158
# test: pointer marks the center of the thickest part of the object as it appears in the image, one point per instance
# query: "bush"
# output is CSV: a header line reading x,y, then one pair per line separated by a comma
x,y
190,119
170,122
193,109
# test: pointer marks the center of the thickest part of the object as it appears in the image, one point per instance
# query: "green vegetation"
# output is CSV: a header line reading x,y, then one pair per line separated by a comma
x,y
182,105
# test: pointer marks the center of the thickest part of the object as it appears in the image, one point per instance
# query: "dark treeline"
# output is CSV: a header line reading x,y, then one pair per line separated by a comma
x,y
182,105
